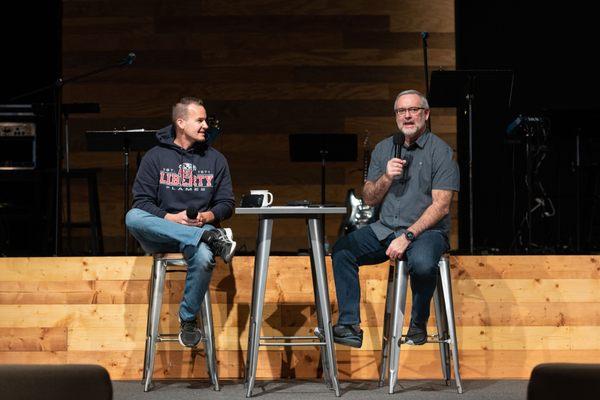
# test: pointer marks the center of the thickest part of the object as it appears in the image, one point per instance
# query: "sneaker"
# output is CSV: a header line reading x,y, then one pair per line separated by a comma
x,y
222,244
417,334
189,335
349,335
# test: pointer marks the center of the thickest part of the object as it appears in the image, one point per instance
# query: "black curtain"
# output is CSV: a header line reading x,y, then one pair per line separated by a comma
x,y
550,48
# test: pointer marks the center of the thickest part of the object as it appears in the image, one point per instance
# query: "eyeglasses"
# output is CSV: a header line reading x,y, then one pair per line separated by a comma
x,y
411,110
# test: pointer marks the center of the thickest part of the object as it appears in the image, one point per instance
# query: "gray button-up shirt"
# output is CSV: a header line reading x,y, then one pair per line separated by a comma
x,y
430,167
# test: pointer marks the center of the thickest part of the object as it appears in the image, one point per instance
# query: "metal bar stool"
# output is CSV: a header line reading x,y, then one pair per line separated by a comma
x,y
95,223
395,305
174,262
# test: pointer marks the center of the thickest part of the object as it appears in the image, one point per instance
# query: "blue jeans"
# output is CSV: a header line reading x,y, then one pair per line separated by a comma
x,y
157,235
362,247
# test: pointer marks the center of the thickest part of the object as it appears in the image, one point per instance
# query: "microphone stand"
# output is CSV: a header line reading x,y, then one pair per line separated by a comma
x,y
469,98
56,87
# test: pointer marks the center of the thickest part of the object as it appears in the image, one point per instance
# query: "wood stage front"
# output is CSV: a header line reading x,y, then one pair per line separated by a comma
x,y
513,312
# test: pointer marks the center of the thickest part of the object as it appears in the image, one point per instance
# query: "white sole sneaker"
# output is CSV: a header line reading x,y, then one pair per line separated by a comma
x,y
231,250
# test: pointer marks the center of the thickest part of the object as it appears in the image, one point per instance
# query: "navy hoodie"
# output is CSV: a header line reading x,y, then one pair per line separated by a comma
x,y
171,179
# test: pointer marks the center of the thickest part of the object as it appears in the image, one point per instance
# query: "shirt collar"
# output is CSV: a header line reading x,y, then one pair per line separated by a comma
x,y
422,140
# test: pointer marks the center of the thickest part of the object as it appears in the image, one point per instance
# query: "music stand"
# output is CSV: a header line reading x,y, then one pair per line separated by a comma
x,y
323,147
458,88
125,141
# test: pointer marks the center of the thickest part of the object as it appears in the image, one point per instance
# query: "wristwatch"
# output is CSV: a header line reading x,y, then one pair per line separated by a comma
x,y
409,236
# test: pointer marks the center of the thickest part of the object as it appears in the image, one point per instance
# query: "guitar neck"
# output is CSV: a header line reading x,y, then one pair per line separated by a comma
x,y
366,165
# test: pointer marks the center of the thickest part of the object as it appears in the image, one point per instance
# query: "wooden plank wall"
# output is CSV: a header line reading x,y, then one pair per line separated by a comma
x,y
512,314
267,69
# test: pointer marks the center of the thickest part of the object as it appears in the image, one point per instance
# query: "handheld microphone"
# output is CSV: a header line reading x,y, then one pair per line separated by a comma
x,y
398,143
191,212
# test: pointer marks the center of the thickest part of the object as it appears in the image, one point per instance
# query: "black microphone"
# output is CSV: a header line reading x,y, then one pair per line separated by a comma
x,y
129,59
398,143
191,212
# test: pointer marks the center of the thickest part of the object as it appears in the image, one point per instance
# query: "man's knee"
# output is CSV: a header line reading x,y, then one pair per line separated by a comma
x,y
423,266
133,217
342,250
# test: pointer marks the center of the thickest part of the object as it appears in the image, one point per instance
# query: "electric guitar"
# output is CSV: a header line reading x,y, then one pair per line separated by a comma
x,y
359,214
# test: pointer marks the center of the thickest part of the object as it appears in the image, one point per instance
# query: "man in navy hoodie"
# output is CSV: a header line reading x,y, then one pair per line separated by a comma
x,y
181,174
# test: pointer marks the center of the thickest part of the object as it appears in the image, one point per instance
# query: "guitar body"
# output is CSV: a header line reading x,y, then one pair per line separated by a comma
x,y
358,215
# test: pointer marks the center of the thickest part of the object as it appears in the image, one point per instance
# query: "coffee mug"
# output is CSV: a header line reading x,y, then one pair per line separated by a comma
x,y
267,197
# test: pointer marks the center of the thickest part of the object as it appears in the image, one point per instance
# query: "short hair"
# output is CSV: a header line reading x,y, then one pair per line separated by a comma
x,y
180,109
424,102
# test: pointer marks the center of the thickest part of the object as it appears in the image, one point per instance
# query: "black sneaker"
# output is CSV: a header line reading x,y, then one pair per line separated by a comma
x,y
222,244
189,335
349,335
417,334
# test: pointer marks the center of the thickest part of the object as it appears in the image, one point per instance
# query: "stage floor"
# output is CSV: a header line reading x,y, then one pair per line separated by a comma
x,y
308,390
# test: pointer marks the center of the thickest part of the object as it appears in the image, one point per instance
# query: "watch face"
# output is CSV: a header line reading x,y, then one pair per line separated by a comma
x,y
410,236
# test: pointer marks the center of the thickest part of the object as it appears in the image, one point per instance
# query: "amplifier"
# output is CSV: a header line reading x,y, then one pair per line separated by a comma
x,y
17,129
17,138
17,145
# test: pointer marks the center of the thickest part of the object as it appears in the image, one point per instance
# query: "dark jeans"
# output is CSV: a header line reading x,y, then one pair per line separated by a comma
x,y
361,247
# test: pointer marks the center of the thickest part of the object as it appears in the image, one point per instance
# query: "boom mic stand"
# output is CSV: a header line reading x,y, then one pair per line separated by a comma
x,y
56,87
424,36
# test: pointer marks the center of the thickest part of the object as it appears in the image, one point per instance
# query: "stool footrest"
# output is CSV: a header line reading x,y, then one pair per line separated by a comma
x,y
287,344
448,341
162,339
288,337
293,344
173,337
175,270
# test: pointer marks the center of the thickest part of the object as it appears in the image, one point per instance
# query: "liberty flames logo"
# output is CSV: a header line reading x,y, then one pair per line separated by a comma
x,y
186,178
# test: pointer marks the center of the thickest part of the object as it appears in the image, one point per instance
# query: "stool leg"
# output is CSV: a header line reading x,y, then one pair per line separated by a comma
x,y
154,320
149,318
261,269
449,304
255,284
320,326
397,322
385,335
318,256
442,331
209,337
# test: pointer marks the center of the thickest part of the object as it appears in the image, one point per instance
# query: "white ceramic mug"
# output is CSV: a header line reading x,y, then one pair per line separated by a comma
x,y
267,197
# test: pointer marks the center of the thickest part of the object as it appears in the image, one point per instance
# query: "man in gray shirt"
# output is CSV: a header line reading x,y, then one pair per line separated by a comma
x,y
413,185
